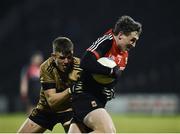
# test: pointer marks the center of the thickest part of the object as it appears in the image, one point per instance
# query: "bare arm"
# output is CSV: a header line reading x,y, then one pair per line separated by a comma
x,y
56,99
24,86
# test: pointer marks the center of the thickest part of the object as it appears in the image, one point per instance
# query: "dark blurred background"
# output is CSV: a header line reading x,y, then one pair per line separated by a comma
x,y
30,25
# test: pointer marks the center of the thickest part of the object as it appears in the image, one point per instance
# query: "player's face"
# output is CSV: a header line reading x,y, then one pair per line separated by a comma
x,y
126,42
63,61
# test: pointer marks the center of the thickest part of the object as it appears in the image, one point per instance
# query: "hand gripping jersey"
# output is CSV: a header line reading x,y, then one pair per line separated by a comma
x,y
51,77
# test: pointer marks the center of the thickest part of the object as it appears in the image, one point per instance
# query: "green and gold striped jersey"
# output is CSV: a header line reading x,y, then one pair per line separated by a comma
x,y
52,77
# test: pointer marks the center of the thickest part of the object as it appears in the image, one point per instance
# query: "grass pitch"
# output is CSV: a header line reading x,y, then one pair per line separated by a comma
x,y
9,123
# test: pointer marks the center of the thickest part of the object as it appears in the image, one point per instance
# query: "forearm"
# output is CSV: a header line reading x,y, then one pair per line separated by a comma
x,y
56,99
24,87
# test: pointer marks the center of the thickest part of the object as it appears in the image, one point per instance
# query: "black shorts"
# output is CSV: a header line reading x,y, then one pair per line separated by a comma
x,y
84,103
49,119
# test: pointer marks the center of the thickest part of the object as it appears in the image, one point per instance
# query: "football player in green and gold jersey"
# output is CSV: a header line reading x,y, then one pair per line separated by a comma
x,y
57,75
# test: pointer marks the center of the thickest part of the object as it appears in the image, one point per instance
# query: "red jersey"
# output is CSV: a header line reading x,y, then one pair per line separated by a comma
x,y
106,46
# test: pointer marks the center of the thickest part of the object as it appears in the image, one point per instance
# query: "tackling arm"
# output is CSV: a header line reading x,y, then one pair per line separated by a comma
x,y
56,99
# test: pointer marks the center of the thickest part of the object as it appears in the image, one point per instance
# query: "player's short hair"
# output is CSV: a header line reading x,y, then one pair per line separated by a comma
x,y
63,45
126,25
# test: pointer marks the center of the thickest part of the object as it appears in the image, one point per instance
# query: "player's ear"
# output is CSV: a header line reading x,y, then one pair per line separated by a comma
x,y
120,34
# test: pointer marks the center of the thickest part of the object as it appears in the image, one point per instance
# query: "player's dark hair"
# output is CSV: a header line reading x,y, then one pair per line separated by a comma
x,y
126,24
62,44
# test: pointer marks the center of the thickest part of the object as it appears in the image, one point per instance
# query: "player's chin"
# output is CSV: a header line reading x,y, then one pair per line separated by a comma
x,y
66,68
63,69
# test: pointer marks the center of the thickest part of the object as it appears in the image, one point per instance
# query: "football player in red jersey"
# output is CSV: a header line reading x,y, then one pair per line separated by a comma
x,y
29,82
90,97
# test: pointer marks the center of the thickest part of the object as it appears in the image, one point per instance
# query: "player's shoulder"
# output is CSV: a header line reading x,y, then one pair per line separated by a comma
x,y
106,38
47,65
109,36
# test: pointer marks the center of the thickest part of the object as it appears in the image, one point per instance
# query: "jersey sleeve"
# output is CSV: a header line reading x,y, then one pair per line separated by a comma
x,y
101,46
46,78
97,50
90,64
